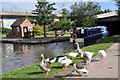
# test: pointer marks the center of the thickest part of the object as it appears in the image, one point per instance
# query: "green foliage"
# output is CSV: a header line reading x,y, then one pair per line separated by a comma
x,y
44,14
81,10
100,12
38,30
64,23
111,39
5,30
118,4
107,10
89,21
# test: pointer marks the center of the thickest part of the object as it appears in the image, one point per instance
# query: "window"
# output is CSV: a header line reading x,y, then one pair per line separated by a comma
x,y
18,29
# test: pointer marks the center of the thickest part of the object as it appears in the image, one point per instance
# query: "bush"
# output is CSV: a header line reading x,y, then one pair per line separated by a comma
x,y
5,30
38,30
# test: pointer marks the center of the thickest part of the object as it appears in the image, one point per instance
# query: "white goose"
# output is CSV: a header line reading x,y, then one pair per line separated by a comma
x,y
80,69
79,50
43,66
87,55
102,54
72,55
59,58
64,61
50,60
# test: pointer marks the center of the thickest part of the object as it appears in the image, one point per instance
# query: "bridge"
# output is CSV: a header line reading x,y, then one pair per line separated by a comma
x,y
8,14
7,17
111,20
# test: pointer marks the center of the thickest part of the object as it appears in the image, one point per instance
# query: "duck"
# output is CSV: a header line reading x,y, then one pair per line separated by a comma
x,y
72,55
87,55
64,61
80,69
102,54
50,60
44,66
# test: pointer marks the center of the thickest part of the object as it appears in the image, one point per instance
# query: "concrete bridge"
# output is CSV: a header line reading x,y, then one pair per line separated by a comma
x,y
111,20
7,14
7,18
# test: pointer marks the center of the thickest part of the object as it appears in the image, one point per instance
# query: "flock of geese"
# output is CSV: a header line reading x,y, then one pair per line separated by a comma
x,y
64,61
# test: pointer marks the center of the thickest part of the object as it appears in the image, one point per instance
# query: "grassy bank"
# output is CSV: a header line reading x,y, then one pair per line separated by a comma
x,y
34,71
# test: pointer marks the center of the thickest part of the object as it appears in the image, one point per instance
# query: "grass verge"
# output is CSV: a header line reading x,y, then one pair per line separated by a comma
x,y
34,71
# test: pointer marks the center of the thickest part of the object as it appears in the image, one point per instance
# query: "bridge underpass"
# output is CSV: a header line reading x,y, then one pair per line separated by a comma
x,y
111,20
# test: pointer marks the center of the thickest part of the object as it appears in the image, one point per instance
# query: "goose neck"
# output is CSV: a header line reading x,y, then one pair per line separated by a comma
x,y
42,59
78,47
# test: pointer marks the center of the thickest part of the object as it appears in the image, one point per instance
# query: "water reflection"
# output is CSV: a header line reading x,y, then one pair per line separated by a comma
x,y
15,56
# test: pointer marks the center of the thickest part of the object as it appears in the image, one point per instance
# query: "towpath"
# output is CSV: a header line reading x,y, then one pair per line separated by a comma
x,y
107,69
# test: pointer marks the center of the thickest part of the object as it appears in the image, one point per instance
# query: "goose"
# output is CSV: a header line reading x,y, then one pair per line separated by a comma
x,y
64,61
43,66
87,55
46,60
72,55
50,60
59,58
79,50
80,69
102,54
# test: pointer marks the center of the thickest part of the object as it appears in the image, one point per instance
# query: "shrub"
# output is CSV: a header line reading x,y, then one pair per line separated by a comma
x,y
5,30
38,30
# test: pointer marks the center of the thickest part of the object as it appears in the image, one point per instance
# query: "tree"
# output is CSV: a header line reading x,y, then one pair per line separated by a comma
x,y
44,12
38,29
82,11
89,21
118,4
107,10
55,26
118,11
64,23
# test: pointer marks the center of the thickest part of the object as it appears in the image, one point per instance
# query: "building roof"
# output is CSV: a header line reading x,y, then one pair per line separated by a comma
x,y
109,14
18,22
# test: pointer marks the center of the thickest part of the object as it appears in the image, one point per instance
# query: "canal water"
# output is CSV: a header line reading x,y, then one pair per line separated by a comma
x,y
16,56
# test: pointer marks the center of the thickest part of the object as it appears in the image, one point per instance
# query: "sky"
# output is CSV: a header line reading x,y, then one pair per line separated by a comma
x,y
29,5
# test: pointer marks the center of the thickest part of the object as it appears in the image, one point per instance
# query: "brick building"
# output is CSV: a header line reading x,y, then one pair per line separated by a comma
x,y
21,28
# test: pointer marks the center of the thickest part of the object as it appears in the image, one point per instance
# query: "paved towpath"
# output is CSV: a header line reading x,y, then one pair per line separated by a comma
x,y
106,69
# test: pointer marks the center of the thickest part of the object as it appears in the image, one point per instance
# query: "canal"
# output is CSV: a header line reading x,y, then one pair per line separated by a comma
x,y
16,56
